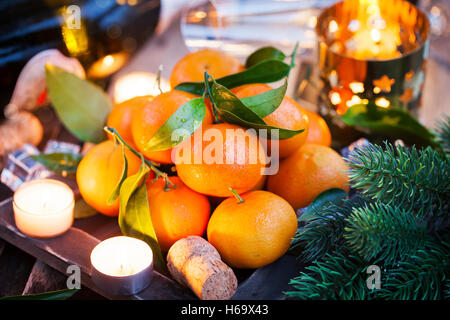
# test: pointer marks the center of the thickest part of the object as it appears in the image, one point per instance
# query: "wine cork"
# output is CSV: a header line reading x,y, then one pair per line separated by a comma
x,y
195,263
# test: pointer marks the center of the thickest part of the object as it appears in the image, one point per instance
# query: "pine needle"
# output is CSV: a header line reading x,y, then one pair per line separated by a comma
x,y
324,232
399,223
443,135
336,276
422,276
404,178
379,232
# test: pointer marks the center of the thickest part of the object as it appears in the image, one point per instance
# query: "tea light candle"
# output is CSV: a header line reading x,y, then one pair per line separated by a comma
x,y
122,266
137,84
43,208
107,65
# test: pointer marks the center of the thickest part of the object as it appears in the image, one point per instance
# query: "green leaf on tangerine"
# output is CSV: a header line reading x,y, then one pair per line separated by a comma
x,y
123,175
392,122
83,210
59,162
267,102
82,106
185,120
233,110
333,195
263,72
265,53
134,214
51,295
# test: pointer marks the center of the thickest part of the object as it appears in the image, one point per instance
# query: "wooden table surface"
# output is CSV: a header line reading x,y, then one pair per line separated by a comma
x,y
22,273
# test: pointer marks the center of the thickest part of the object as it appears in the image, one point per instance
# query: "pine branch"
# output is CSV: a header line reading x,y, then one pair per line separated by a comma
x,y
424,275
335,276
379,232
446,294
402,225
443,135
324,232
403,178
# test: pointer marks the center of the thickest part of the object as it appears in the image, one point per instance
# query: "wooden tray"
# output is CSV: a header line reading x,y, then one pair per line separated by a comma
x,y
75,246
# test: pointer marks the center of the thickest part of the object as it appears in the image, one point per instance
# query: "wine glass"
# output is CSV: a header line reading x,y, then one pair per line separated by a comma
x,y
238,27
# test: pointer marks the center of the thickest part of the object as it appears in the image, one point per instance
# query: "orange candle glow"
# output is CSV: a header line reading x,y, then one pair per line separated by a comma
x,y
376,37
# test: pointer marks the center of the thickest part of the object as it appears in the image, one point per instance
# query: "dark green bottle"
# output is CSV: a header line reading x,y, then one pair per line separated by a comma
x,y
89,30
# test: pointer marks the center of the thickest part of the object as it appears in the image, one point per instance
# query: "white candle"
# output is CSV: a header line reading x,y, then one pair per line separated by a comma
x,y
121,256
137,84
43,208
122,265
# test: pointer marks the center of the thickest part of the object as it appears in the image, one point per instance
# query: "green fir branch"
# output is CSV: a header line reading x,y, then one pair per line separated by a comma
x,y
422,276
336,276
443,135
324,232
380,232
447,289
400,222
401,177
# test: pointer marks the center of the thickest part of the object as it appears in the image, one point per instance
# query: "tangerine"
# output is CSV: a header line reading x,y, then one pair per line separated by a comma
x,y
121,117
307,173
318,131
221,157
215,201
252,233
192,67
99,172
177,211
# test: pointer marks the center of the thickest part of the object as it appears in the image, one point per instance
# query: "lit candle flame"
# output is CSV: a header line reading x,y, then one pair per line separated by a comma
x,y
375,34
108,60
374,38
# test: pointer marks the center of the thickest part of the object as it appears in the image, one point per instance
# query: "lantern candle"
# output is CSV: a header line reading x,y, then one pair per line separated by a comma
x,y
371,49
122,266
371,36
370,52
43,208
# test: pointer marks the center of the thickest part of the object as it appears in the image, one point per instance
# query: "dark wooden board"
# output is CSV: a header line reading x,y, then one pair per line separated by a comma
x,y
15,268
75,246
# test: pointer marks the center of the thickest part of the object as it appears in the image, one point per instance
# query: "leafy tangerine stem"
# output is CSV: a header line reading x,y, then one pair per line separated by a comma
x,y
292,56
208,91
158,172
236,195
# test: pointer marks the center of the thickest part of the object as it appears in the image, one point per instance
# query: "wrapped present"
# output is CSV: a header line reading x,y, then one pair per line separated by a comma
x,y
20,167
54,146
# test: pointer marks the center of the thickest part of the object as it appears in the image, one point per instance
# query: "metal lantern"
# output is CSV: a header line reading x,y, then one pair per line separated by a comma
x,y
371,51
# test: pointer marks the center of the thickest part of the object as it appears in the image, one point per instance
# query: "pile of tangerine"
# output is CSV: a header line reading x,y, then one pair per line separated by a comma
x,y
255,220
